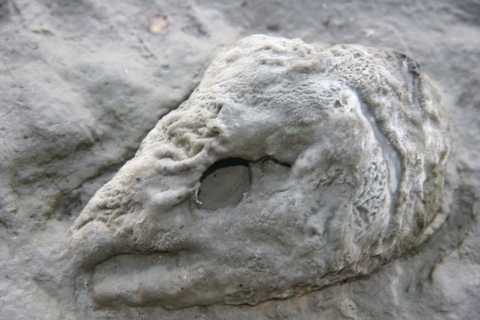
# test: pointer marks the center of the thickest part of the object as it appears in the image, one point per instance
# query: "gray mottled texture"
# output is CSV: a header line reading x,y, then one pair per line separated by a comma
x,y
364,139
84,81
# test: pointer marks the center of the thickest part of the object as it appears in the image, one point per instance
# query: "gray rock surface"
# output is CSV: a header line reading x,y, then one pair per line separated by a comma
x,y
84,82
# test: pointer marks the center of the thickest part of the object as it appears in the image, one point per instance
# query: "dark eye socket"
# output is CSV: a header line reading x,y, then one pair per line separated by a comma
x,y
224,183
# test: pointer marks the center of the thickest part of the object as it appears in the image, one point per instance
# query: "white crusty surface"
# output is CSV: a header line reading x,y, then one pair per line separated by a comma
x,y
344,152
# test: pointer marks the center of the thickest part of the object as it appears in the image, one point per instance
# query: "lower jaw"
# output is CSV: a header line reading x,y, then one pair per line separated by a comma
x,y
159,279
181,280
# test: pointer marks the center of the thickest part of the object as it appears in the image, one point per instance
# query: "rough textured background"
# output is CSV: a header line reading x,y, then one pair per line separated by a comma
x,y
82,83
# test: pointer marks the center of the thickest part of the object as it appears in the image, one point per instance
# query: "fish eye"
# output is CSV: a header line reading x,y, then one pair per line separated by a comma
x,y
224,184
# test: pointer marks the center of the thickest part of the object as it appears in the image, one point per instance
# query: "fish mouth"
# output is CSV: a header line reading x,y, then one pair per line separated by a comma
x,y
170,280
182,279
136,280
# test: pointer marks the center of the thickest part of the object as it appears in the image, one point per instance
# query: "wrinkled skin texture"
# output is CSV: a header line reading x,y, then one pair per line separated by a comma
x,y
344,152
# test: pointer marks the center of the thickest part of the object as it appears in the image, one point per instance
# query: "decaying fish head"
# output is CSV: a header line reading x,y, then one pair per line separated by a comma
x,y
291,167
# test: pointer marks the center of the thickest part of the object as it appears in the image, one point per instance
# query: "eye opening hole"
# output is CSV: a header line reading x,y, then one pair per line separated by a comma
x,y
224,163
224,184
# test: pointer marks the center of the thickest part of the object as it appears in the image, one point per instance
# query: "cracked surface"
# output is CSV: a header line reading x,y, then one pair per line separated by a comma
x,y
354,142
